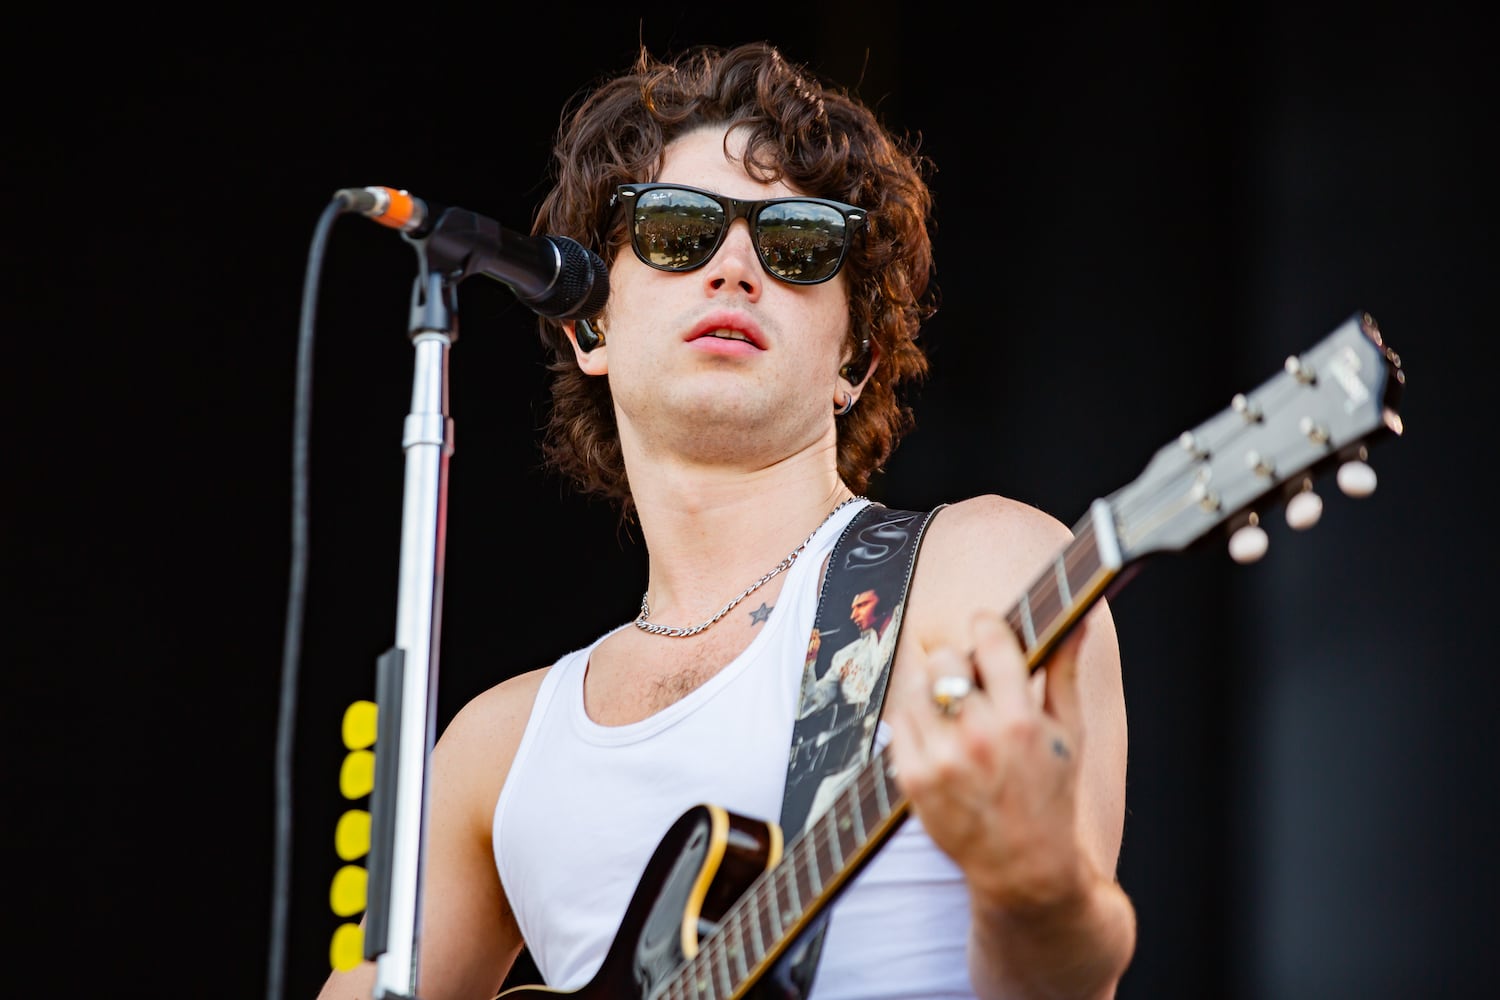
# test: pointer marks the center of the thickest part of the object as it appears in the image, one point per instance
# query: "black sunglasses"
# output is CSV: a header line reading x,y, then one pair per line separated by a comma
x,y
802,241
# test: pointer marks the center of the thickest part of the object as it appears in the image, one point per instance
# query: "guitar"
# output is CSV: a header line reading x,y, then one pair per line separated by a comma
x,y
723,900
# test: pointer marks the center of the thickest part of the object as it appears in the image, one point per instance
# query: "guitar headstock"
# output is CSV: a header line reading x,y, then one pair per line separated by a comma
x,y
1325,409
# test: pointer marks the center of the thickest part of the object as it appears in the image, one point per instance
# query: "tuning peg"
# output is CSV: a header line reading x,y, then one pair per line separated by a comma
x,y
1188,442
1301,370
1249,542
1356,478
1304,509
1314,431
1242,405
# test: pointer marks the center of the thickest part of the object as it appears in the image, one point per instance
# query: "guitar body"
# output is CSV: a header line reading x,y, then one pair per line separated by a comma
x,y
706,861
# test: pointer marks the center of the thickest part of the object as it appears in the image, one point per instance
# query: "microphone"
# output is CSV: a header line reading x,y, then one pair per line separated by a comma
x,y
556,276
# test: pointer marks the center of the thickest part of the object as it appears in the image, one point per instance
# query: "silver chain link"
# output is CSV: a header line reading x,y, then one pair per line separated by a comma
x,y
679,633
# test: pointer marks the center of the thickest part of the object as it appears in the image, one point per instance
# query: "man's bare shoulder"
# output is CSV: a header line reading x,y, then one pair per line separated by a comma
x,y
486,731
981,552
996,530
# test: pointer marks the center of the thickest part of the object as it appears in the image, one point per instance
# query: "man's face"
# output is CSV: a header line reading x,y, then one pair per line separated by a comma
x,y
723,365
862,614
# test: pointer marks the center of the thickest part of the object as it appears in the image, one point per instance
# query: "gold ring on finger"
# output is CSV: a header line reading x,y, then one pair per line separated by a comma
x,y
949,692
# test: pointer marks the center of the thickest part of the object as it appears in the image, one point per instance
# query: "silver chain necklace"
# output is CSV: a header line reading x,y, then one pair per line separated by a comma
x,y
679,633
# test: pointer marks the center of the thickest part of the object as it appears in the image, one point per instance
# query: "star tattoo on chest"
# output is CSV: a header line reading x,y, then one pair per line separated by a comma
x,y
760,614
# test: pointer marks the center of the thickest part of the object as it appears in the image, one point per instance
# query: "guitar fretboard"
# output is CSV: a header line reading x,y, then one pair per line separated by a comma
x,y
1060,594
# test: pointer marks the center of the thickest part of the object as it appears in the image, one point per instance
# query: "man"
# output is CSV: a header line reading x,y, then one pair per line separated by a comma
x,y
856,664
769,261
834,725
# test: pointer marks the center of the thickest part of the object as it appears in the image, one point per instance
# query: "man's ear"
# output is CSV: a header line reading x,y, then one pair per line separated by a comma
x,y
595,360
858,368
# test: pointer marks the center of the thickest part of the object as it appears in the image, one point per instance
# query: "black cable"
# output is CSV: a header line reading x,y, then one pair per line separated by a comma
x,y
296,602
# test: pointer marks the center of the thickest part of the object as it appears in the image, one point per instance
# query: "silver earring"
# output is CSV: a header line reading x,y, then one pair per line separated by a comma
x,y
848,404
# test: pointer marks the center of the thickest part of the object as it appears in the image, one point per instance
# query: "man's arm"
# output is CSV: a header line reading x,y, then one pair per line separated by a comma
x,y
1024,788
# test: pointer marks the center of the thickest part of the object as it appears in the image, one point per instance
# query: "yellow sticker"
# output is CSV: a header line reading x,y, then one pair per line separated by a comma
x,y
359,725
351,838
347,894
357,776
347,949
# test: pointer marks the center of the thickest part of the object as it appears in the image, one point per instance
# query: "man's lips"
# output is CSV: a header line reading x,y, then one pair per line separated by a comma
x,y
728,327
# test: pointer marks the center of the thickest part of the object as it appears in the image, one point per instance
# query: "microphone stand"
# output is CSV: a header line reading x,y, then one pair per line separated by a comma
x,y
457,245
406,679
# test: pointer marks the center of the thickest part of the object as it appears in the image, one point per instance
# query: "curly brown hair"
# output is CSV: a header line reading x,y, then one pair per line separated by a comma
x,y
815,135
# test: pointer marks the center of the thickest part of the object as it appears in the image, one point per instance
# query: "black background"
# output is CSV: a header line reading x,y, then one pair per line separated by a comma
x,y
1141,211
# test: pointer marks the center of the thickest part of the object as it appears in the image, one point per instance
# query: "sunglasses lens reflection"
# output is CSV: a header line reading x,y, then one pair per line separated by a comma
x,y
677,230
800,240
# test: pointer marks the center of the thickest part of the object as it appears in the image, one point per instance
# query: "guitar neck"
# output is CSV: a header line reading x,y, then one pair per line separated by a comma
x,y
1075,579
819,862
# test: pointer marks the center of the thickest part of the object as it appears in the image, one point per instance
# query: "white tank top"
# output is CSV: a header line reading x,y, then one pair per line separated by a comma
x,y
585,806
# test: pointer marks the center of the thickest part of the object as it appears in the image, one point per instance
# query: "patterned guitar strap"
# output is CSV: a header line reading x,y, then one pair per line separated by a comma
x,y
843,687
